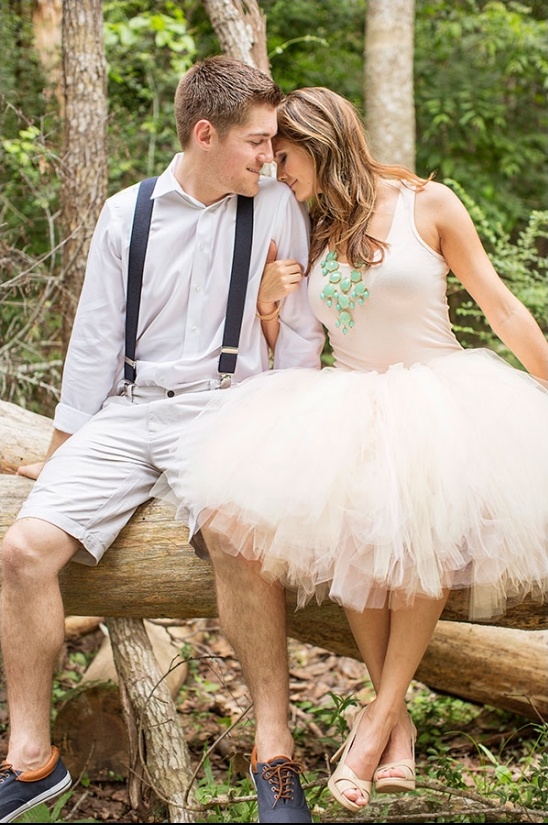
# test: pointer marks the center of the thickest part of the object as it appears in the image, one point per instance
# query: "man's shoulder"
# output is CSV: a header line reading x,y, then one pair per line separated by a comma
x,y
120,206
276,198
124,197
270,188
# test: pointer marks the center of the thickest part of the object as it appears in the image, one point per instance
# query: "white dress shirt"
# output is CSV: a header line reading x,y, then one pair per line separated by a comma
x,y
184,296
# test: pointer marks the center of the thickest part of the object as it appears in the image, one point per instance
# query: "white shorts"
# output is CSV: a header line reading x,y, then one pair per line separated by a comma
x,y
91,486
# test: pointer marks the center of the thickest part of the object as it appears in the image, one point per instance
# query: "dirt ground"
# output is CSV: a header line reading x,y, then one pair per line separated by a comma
x,y
214,692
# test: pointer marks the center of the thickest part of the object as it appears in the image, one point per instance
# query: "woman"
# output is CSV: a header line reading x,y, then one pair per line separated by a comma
x,y
411,467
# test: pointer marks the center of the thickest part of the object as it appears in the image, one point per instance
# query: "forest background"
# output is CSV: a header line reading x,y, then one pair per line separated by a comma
x,y
480,80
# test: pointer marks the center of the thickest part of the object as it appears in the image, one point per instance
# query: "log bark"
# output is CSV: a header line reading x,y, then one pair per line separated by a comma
x,y
24,437
151,572
240,26
89,726
84,171
159,757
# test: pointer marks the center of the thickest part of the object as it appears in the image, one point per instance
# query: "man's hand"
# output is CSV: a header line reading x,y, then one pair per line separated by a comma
x,y
31,470
34,470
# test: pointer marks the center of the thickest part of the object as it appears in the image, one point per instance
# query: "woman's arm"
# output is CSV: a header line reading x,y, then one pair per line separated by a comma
x,y
440,211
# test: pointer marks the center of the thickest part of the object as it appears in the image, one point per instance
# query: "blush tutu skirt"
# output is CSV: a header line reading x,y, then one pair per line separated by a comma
x,y
355,485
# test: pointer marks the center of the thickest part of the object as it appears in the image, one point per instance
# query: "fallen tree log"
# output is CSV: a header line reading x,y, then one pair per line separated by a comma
x,y
147,584
151,572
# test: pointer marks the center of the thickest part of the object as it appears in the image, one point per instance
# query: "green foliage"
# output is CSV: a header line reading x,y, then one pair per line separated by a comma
x,y
317,44
230,810
481,73
30,186
148,49
521,264
22,82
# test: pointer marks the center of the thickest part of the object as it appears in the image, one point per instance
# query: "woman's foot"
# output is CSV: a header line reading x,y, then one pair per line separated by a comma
x,y
347,788
351,783
396,771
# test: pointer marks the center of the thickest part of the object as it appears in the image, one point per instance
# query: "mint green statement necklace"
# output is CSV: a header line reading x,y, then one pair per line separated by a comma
x,y
343,291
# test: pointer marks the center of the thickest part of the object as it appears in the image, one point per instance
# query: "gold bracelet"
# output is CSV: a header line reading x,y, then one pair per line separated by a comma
x,y
271,315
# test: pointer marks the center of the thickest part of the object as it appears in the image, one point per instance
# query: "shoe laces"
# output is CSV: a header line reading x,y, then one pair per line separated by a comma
x,y
280,776
6,770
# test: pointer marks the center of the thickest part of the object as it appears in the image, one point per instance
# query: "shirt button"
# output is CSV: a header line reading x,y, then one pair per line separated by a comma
x,y
170,393
201,247
193,329
197,288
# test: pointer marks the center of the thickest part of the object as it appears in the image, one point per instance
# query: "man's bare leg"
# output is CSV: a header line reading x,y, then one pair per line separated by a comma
x,y
253,618
32,617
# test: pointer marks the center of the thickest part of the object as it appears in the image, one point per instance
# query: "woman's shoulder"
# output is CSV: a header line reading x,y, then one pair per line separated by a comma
x,y
438,194
439,207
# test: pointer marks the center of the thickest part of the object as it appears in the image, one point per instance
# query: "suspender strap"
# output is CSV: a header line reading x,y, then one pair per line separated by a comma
x,y
238,286
136,262
238,280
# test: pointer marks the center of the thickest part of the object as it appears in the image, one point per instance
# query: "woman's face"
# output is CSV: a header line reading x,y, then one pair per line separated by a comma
x,y
294,167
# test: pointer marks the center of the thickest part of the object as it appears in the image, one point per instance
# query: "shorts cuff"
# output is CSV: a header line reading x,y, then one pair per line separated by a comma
x,y
92,549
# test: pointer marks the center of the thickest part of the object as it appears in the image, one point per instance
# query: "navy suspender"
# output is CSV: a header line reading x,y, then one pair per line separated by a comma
x,y
236,294
238,285
136,262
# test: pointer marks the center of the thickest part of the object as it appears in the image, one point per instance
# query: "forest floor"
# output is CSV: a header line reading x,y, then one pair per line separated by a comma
x,y
461,745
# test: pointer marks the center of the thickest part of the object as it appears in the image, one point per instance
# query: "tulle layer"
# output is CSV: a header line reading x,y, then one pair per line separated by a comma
x,y
353,484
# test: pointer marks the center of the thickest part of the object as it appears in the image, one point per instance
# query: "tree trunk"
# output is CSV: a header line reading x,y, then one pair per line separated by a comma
x,y
84,176
389,84
159,758
89,726
46,25
240,26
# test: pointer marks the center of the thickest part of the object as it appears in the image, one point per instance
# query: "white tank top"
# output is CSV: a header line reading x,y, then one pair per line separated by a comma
x,y
405,318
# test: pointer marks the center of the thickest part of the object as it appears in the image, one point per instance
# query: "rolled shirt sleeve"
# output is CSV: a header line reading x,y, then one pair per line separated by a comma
x,y
95,353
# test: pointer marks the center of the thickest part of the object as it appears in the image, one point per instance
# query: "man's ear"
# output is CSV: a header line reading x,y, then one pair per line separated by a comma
x,y
203,134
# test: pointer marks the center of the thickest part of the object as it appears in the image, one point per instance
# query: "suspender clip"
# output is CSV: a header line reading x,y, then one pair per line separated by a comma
x,y
127,390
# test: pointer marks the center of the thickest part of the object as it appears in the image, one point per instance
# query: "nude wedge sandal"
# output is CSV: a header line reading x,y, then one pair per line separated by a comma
x,y
397,784
343,778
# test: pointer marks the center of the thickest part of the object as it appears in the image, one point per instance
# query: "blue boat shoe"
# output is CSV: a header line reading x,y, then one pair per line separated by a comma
x,y
280,797
22,790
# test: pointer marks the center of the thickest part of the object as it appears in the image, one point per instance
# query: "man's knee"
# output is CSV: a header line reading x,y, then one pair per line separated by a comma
x,y
32,547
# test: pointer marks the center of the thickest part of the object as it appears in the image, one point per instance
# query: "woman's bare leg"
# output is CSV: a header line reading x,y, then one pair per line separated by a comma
x,y
404,643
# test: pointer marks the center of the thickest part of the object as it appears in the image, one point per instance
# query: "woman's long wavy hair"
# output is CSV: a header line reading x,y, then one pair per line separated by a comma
x,y
329,129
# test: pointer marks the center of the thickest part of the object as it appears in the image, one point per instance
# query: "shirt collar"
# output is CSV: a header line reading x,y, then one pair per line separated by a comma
x,y
167,183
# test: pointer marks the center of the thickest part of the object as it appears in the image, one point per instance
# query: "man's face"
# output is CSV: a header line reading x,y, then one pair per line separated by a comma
x,y
240,154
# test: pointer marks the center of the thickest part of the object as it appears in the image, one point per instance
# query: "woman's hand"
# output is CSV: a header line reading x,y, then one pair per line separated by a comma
x,y
280,278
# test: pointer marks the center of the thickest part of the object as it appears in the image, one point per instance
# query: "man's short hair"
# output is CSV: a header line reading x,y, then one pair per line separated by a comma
x,y
222,90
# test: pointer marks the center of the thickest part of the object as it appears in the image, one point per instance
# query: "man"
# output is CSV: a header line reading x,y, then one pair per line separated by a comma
x,y
111,441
